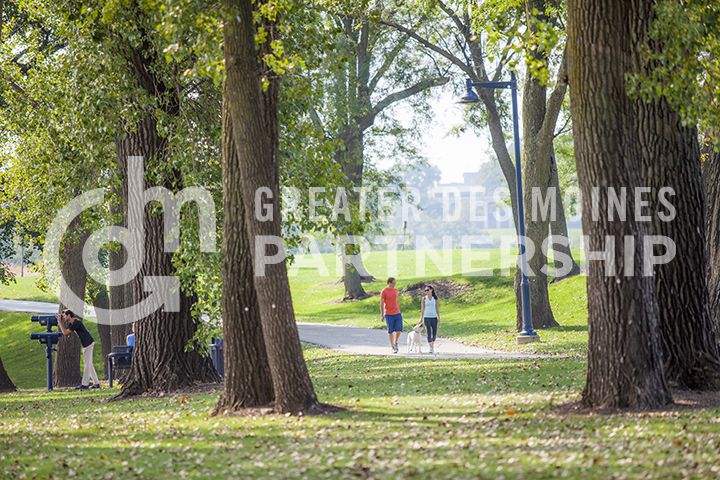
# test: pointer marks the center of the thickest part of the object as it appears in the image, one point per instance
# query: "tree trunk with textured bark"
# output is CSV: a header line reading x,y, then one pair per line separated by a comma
x,y
625,367
160,361
711,174
120,295
671,156
67,361
6,385
538,119
558,227
351,159
672,160
248,381
255,131
101,301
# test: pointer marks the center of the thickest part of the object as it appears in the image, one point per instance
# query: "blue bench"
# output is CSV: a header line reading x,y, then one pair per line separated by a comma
x,y
121,359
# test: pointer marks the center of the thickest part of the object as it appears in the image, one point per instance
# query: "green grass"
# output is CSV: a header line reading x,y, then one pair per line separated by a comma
x,y
25,288
405,419
485,315
24,359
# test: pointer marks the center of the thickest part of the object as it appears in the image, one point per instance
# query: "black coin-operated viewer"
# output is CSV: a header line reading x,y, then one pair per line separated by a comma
x,y
49,339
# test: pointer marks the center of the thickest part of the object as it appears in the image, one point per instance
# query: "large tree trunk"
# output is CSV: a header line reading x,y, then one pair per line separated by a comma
x,y
6,385
536,175
248,381
558,228
160,361
67,363
711,174
101,301
625,366
351,158
121,296
538,130
671,156
255,131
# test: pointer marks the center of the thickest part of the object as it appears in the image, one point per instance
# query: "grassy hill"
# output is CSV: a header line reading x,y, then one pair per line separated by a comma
x,y
483,314
24,359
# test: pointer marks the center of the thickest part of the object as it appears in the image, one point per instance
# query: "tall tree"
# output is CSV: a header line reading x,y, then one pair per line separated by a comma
x,y
468,23
625,366
6,385
255,132
67,363
247,372
369,71
671,158
161,361
677,70
539,117
98,294
711,174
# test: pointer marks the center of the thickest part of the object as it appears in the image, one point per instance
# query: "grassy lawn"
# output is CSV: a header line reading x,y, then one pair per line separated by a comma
x,y
25,288
405,419
24,359
484,315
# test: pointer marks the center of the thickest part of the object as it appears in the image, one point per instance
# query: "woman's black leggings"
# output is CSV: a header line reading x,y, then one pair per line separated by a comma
x,y
431,326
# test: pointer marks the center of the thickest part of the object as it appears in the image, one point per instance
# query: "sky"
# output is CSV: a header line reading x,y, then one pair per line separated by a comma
x,y
454,154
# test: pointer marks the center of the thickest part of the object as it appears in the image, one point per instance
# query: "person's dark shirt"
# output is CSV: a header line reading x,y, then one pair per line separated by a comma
x,y
78,327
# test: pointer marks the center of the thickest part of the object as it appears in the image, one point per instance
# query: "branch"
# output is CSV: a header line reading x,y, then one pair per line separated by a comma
x,y
315,117
21,91
501,63
431,46
464,29
565,128
389,59
401,95
363,60
554,103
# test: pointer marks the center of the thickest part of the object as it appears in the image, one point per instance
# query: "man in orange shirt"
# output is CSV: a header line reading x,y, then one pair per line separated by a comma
x,y
390,312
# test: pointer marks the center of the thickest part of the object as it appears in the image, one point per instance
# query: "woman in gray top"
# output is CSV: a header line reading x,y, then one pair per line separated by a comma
x,y
430,314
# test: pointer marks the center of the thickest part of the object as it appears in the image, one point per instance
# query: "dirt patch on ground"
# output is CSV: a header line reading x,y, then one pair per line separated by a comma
x,y
443,288
682,400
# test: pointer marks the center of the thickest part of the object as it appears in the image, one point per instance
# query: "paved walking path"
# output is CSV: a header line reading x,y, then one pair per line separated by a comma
x,y
354,340
44,308
369,341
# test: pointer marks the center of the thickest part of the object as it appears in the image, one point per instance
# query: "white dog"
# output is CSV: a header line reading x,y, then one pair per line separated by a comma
x,y
413,340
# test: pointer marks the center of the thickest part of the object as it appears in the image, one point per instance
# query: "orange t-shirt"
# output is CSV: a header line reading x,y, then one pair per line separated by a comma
x,y
389,296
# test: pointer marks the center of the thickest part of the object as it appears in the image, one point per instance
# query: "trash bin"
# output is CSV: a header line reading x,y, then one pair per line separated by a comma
x,y
216,355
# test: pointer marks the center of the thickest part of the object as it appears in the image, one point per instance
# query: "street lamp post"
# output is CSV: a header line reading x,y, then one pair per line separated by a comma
x,y
528,334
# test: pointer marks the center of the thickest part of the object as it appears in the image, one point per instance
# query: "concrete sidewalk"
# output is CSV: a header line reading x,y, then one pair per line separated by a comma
x,y
369,341
43,308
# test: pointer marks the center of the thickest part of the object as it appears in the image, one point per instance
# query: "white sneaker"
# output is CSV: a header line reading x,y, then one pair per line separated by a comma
x,y
432,351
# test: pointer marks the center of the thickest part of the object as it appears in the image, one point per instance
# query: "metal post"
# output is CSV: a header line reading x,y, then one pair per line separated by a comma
x,y
528,333
48,351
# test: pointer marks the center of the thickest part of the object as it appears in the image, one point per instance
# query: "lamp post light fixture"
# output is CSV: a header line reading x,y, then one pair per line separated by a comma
x,y
528,334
